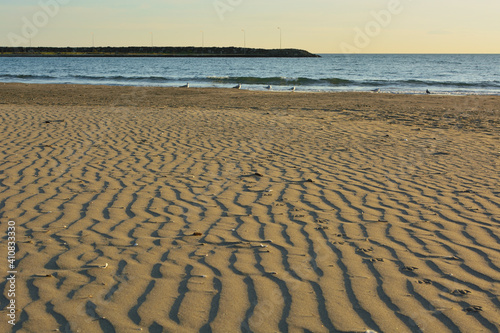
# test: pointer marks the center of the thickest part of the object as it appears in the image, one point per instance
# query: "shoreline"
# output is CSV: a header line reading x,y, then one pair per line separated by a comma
x,y
62,90
276,89
284,89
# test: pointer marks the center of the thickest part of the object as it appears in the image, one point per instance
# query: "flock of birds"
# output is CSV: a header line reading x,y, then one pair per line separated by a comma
x,y
238,86
378,90
269,87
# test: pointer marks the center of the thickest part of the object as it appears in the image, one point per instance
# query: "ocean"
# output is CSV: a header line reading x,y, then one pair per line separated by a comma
x,y
451,74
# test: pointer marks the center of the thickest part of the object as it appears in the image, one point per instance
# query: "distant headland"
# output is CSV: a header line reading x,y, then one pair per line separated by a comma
x,y
144,51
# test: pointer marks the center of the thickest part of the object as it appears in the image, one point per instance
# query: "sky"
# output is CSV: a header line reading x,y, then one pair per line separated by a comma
x,y
319,26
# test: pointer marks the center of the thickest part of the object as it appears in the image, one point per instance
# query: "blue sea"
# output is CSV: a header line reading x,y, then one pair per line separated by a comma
x,y
391,73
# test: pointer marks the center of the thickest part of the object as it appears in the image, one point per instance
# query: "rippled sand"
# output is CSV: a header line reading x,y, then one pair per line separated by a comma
x,y
229,210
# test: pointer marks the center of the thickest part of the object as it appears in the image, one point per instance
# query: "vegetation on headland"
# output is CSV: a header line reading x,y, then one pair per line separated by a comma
x,y
144,51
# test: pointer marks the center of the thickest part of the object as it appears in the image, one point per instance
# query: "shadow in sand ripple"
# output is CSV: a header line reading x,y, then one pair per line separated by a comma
x,y
106,326
182,290
133,314
64,325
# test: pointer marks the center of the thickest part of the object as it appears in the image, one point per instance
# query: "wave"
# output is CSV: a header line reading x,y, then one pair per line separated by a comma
x,y
248,80
300,81
122,78
27,77
86,78
483,84
303,81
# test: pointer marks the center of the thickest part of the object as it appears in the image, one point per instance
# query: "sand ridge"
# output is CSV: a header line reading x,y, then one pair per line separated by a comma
x,y
227,211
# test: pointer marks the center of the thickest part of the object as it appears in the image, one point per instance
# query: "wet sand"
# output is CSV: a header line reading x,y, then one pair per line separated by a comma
x,y
223,210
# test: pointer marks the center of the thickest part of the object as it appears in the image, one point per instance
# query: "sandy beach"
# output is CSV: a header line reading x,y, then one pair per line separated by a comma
x,y
224,210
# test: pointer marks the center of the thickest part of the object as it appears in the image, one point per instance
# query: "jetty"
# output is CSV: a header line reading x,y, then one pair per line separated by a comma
x,y
144,51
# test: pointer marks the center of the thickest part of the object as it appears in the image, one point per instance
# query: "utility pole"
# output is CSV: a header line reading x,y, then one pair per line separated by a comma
x,y
280,36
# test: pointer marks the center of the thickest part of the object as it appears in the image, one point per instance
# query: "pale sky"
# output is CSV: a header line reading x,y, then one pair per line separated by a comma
x,y
319,26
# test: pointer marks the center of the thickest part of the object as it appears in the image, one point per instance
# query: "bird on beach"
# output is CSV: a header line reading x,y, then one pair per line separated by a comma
x,y
185,86
427,91
292,89
376,90
237,86
269,87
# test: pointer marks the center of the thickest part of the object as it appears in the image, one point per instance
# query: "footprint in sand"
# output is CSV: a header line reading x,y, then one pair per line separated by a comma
x,y
474,308
409,268
363,250
461,292
377,260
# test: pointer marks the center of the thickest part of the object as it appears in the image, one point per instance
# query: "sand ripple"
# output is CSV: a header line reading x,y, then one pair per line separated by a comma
x,y
231,219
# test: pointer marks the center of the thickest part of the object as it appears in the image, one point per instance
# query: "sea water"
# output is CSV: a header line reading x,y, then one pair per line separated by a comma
x,y
391,73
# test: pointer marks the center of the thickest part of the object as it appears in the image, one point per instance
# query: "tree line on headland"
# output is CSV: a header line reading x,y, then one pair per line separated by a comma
x,y
143,51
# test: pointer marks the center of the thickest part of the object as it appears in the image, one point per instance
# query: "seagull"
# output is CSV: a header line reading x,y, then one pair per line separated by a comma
x,y
269,87
238,86
292,89
185,86
376,90
427,91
